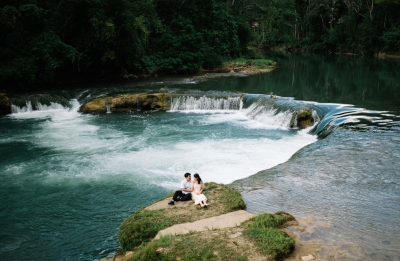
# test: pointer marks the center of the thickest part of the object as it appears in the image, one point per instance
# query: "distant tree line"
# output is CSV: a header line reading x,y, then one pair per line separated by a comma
x,y
49,42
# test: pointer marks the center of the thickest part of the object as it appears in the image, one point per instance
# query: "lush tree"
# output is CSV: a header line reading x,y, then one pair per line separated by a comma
x,y
198,34
31,51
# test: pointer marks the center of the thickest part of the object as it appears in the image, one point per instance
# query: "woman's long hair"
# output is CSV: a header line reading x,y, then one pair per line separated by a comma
x,y
197,176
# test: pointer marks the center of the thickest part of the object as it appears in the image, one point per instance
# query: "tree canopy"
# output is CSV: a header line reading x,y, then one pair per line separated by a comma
x,y
51,42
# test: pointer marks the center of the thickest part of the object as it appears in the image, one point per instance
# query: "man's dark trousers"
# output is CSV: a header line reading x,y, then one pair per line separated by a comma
x,y
180,196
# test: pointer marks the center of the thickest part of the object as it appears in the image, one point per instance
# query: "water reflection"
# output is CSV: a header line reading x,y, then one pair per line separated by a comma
x,y
363,82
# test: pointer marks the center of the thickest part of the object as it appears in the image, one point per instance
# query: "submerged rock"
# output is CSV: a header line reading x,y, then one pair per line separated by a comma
x,y
5,105
128,102
302,119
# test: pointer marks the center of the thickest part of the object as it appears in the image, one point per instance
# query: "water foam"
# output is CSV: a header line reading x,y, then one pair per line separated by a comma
x,y
224,145
44,111
206,103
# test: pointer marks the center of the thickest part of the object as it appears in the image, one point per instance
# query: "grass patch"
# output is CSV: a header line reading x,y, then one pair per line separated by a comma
x,y
226,198
262,63
144,224
264,230
260,240
190,247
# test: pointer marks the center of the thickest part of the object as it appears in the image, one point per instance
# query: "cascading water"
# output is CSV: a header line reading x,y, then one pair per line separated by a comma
x,y
108,105
261,108
38,107
68,179
17,109
88,167
206,103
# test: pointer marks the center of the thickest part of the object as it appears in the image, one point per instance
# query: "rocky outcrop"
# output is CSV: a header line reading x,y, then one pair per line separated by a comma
x,y
5,105
129,102
302,119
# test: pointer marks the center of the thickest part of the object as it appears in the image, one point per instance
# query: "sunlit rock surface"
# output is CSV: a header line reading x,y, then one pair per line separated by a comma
x,y
128,102
302,119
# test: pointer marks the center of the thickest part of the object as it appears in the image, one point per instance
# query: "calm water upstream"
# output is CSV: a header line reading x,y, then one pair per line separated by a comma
x,y
67,179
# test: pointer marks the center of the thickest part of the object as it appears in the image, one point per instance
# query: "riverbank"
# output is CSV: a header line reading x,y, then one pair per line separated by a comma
x,y
237,67
222,231
244,66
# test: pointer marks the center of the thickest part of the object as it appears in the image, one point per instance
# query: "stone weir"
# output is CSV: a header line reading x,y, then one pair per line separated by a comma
x,y
129,102
162,101
159,101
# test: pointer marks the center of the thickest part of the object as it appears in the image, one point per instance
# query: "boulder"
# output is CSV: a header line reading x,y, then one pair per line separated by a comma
x,y
307,258
5,105
302,119
128,102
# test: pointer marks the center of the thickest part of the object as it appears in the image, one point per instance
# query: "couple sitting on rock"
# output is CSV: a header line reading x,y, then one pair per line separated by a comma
x,y
191,190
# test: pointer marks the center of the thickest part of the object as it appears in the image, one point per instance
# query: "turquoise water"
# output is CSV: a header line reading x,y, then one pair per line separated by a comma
x,y
69,179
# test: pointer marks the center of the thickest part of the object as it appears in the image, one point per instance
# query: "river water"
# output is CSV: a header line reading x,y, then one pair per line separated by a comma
x,y
68,179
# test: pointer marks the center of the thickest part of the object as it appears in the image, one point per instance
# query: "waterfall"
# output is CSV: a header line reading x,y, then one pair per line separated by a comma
x,y
38,107
108,105
17,109
206,103
139,103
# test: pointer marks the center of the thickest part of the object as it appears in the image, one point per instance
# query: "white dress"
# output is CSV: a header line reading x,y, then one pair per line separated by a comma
x,y
197,198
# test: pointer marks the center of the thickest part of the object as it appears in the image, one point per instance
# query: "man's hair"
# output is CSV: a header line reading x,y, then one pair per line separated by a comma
x,y
187,174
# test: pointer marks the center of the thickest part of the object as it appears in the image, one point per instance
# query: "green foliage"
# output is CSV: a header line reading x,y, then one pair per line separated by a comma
x,y
200,34
47,42
368,36
391,40
181,51
264,229
253,53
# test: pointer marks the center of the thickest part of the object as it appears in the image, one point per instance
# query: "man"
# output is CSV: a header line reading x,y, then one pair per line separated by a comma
x,y
183,194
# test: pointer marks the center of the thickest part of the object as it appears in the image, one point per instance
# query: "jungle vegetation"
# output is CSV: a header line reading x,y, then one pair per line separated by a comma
x,y
44,43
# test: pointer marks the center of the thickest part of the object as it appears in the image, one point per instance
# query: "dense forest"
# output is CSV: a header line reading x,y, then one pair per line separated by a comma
x,y
50,42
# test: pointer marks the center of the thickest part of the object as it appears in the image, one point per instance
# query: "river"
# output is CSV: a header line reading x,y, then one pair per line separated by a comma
x,y
68,179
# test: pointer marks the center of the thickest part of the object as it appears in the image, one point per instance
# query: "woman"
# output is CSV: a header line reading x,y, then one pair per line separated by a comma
x,y
197,191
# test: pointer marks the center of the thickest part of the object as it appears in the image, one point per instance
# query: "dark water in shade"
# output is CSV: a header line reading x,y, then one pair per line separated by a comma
x,y
67,180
